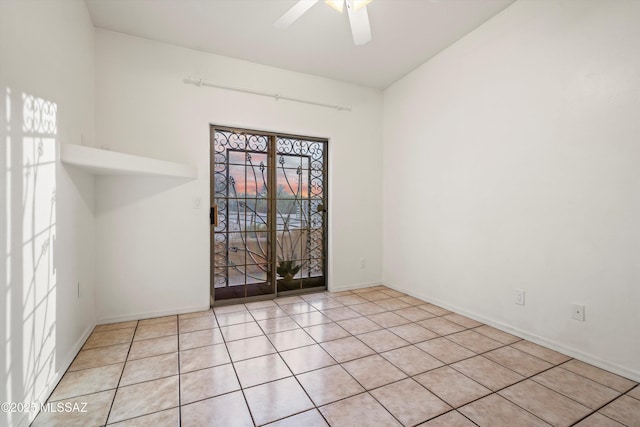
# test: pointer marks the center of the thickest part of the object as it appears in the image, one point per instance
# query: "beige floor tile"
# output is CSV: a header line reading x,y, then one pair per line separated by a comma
x,y
314,296
225,309
87,381
101,356
326,332
496,411
519,361
279,399
297,308
195,314
438,311
598,375
107,338
345,349
288,300
598,420
310,418
625,409
288,340
375,296
329,384
411,360
368,308
150,368
203,357
197,324
260,304
157,320
497,334
392,292
413,333
206,383
388,319
589,393
268,313
200,338
411,300
462,320
359,325
450,419
474,341
325,304
228,410
358,411
166,418
310,319
278,324
414,314
350,300
546,404
487,373
240,331
382,340
234,318
441,326
250,347
373,371
451,386
145,398
364,290
92,410
445,350
114,326
155,330
540,352
634,393
392,304
409,402
153,347
260,370
340,313
307,358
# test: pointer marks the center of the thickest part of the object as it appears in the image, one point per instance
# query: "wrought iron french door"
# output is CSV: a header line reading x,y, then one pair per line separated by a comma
x,y
268,198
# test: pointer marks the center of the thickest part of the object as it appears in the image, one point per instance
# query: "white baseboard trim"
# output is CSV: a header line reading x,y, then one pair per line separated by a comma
x,y
28,417
151,314
553,345
352,287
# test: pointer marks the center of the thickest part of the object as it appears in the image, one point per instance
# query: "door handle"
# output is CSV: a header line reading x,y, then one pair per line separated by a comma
x,y
213,215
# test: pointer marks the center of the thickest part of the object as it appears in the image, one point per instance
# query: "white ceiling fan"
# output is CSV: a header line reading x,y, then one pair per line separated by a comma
x,y
356,9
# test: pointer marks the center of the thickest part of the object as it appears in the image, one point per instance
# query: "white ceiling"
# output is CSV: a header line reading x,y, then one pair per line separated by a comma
x,y
406,33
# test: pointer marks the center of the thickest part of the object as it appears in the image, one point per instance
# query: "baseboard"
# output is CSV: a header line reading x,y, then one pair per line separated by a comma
x,y
28,418
553,345
352,287
151,314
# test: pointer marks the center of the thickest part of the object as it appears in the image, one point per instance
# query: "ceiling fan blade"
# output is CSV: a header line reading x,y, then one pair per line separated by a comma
x,y
294,13
360,28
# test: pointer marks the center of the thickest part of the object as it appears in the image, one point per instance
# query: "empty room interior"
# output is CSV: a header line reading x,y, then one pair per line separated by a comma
x,y
320,213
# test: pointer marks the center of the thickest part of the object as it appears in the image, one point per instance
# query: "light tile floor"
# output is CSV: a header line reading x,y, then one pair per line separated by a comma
x,y
368,357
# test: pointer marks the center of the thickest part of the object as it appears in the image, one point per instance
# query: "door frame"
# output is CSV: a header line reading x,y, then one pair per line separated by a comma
x,y
272,135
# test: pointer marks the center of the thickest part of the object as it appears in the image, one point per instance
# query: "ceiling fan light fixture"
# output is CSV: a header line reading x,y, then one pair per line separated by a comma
x,y
336,4
359,4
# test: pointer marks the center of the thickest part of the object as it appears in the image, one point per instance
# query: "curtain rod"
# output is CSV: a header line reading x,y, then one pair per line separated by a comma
x,y
202,82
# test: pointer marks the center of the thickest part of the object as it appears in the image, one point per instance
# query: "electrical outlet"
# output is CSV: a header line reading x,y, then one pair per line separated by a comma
x,y
519,296
363,263
577,312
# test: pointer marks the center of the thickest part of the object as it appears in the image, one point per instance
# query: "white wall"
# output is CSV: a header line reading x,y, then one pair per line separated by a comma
x,y
511,161
152,246
46,214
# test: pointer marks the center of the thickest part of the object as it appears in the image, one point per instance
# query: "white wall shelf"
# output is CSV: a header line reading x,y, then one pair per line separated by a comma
x,y
106,162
